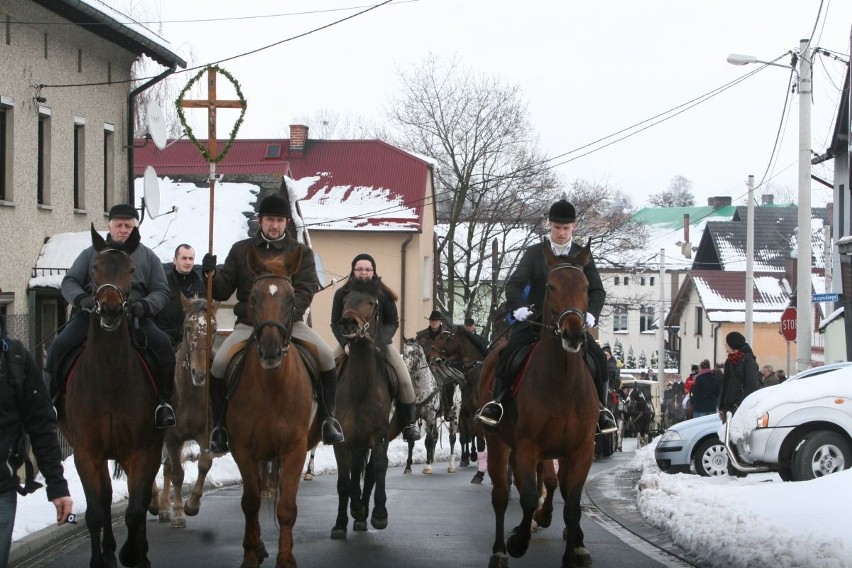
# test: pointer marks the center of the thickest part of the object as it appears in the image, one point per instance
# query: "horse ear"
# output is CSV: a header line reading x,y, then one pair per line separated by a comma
x,y
582,258
187,305
549,258
253,260
132,241
97,240
293,261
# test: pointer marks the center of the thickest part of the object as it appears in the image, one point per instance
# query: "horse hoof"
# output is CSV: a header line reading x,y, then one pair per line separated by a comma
x,y
498,560
451,469
543,520
338,534
464,463
308,477
261,552
516,545
379,523
427,470
582,557
359,526
406,471
190,511
128,557
164,517
477,479
178,523
154,510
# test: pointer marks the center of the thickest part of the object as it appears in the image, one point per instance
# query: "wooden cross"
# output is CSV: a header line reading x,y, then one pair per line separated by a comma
x,y
211,104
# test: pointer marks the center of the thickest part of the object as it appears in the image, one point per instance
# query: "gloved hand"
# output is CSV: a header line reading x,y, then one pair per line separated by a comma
x,y
208,263
590,320
137,308
522,314
86,302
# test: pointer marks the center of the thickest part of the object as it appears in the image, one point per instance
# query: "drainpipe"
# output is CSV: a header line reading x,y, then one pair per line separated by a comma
x,y
715,343
402,293
131,197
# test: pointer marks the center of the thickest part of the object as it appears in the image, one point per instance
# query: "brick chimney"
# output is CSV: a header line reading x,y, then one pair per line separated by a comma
x,y
767,199
686,227
298,138
718,201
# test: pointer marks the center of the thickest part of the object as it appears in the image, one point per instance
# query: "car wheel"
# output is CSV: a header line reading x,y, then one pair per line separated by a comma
x,y
711,458
820,454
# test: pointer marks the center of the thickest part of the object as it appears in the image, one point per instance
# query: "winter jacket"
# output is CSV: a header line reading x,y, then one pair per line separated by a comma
x,y
236,276
388,316
34,415
149,283
532,270
170,319
705,391
739,381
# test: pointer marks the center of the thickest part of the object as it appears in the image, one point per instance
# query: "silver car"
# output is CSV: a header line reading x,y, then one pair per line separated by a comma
x,y
801,428
693,445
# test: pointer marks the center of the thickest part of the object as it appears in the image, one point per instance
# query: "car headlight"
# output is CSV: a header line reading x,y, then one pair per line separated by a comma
x,y
763,421
670,436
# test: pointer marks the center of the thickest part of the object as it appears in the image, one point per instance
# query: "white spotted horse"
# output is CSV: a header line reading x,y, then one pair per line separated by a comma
x,y
427,398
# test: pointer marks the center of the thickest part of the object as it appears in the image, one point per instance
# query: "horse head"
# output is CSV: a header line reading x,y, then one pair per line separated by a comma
x,y
272,304
196,334
112,278
443,347
360,318
566,297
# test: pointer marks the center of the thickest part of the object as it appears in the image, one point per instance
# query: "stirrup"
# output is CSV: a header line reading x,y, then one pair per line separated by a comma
x,y
410,433
492,422
164,416
606,412
219,443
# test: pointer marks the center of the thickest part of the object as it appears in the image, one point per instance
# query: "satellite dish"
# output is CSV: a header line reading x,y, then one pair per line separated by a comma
x,y
151,192
156,124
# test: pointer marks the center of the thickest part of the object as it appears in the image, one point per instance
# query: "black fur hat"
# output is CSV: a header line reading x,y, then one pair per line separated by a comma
x,y
735,340
562,212
274,205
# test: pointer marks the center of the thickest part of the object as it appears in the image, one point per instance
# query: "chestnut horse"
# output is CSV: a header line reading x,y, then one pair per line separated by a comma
x,y
552,415
363,408
271,410
192,408
108,408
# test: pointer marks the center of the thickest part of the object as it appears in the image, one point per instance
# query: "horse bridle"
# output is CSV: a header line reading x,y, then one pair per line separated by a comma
x,y
363,328
123,296
559,318
280,326
194,345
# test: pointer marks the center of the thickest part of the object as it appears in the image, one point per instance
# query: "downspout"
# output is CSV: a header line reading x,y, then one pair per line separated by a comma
x,y
402,294
715,343
131,197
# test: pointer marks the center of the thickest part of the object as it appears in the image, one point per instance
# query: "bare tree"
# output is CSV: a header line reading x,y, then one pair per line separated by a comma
x,y
679,194
491,179
327,124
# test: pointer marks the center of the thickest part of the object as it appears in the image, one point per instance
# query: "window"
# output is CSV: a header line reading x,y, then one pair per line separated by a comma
x,y
109,165
617,280
273,150
642,281
626,280
646,318
3,154
699,320
651,280
79,181
619,318
43,157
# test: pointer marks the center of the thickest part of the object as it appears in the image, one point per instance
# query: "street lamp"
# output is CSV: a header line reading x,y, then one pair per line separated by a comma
x,y
804,308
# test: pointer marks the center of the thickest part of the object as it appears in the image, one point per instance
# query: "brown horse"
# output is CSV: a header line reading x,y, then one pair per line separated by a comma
x,y
107,411
457,347
363,408
192,408
552,415
271,411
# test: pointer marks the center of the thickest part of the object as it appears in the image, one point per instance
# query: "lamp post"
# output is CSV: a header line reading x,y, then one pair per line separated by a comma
x,y
804,315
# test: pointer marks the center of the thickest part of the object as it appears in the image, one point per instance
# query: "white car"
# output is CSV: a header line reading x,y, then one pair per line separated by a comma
x,y
801,428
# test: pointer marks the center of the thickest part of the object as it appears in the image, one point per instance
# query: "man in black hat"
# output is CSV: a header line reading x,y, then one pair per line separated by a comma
x,y
532,272
470,325
235,276
149,293
426,337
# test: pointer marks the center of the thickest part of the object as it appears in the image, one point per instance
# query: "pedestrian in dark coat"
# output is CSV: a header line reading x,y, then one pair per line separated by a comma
x,y
741,374
705,391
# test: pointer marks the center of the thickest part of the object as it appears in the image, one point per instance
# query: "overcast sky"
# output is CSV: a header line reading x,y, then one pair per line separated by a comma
x,y
587,70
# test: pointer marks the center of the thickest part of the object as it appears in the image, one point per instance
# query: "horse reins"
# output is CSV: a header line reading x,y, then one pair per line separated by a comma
x,y
565,313
281,327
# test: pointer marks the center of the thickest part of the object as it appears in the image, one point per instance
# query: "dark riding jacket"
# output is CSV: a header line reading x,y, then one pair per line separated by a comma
x,y
36,416
236,276
388,315
532,270
170,319
739,380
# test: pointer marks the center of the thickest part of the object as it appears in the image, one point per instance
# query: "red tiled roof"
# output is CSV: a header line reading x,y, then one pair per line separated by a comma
x,y
358,163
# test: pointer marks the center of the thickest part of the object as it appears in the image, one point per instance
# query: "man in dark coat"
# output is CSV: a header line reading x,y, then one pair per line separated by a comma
x,y
613,374
183,278
426,337
705,391
481,342
26,408
532,271
741,374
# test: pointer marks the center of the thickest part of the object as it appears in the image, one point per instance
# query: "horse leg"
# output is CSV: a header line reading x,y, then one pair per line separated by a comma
x,y
358,505
546,478
205,462
170,466
524,463
309,472
288,485
498,470
454,428
410,460
430,443
343,459
94,476
253,549
141,469
572,476
379,469
162,498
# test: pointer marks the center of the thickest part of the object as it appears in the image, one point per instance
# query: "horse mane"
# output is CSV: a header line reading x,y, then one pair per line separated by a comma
x,y
353,282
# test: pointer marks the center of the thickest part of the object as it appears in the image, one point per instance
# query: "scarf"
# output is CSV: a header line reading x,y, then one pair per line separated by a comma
x,y
736,357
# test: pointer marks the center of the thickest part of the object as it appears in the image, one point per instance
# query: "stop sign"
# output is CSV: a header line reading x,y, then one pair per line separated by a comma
x,y
788,324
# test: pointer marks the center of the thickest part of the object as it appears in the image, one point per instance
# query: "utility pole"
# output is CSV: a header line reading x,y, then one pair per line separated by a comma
x,y
804,307
661,318
749,287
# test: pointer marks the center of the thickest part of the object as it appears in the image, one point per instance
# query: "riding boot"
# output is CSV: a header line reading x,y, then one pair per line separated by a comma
x,y
410,432
332,432
606,421
492,412
164,415
218,406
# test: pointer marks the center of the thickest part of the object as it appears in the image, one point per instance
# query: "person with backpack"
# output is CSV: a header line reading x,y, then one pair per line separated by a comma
x,y
26,411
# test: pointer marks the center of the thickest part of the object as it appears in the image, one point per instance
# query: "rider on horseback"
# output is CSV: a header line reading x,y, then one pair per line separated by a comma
x,y
235,275
148,294
364,269
532,271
